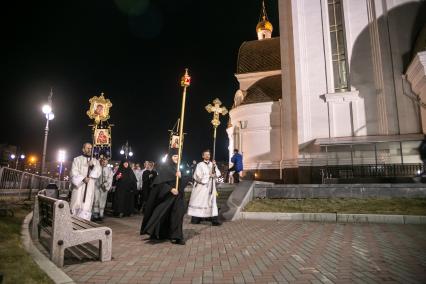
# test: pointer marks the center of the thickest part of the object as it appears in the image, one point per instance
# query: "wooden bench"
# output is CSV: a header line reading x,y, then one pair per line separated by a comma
x,y
66,231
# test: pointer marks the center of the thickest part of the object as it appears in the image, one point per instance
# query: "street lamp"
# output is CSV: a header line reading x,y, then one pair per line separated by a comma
x,y
13,157
61,160
126,150
47,110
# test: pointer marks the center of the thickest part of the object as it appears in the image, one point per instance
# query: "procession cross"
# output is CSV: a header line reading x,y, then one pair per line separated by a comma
x,y
217,110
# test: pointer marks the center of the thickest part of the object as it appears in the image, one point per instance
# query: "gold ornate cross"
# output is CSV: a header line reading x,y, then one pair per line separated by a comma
x,y
216,109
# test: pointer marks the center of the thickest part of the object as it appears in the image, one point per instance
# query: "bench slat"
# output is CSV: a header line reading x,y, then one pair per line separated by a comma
x,y
90,250
48,230
75,252
46,199
82,252
84,221
78,225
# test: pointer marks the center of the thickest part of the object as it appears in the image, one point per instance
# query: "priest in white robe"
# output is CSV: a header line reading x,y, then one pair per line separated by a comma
x,y
202,203
81,176
103,185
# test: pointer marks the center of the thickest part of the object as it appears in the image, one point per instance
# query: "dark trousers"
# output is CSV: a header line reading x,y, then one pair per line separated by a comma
x,y
197,220
138,200
235,175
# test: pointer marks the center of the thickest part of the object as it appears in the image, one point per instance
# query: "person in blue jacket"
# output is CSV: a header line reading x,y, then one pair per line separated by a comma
x,y
237,165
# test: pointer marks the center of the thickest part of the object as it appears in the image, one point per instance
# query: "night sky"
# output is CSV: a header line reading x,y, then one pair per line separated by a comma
x,y
133,50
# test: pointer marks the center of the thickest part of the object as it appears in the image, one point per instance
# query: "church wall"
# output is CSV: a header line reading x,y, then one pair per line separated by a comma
x,y
376,48
403,31
259,134
312,76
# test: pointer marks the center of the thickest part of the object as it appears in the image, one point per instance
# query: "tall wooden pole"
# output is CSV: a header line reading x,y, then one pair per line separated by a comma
x,y
185,82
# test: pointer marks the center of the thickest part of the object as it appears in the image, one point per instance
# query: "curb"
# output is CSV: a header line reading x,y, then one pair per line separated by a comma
x,y
54,273
334,217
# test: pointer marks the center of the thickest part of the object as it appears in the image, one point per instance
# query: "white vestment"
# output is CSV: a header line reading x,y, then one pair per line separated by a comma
x,y
138,175
203,197
79,169
103,185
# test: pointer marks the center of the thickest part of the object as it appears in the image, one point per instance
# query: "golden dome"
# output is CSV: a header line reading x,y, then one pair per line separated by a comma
x,y
264,25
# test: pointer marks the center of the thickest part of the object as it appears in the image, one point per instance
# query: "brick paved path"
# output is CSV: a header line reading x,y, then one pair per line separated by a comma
x,y
263,252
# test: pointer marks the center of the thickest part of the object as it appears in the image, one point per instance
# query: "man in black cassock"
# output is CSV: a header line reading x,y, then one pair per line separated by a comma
x,y
165,209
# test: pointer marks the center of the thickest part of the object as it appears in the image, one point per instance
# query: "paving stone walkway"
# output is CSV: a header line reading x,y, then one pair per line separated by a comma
x,y
263,252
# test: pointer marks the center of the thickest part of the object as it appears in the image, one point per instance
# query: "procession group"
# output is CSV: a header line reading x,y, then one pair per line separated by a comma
x,y
157,193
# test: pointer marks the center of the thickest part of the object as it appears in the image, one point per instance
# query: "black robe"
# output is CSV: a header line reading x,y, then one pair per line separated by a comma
x,y
124,192
164,212
148,177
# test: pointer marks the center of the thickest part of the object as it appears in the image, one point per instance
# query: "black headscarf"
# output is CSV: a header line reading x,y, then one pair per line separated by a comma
x,y
167,170
126,173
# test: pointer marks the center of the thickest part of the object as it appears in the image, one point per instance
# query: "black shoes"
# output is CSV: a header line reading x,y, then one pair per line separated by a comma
x,y
215,221
195,220
179,242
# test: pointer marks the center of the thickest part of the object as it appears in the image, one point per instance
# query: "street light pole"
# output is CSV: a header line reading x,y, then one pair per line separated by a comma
x,y
43,161
47,110
22,156
126,150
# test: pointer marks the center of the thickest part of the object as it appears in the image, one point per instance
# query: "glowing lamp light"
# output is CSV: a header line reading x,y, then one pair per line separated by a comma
x,y
164,158
50,116
187,171
130,154
122,152
12,156
22,156
61,156
180,167
47,109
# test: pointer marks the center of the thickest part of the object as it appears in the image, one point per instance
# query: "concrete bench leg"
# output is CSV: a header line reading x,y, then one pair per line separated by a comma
x,y
57,253
105,247
36,220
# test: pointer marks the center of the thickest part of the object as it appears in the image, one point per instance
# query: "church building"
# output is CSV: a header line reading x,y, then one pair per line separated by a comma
x,y
340,94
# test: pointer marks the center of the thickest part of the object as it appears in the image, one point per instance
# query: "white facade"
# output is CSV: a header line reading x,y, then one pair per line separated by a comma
x,y
375,104
257,134
376,40
416,75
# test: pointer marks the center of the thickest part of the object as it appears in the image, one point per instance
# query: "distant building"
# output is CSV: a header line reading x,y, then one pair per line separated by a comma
x,y
5,152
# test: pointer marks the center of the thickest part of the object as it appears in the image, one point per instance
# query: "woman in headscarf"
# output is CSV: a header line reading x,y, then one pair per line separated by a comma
x,y
125,182
164,211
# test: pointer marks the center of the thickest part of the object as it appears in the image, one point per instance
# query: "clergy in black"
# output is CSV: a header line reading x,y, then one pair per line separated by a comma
x,y
165,209
125,182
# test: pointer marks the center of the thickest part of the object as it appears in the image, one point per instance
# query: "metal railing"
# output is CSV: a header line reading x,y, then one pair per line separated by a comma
x,y
371,171
21,184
